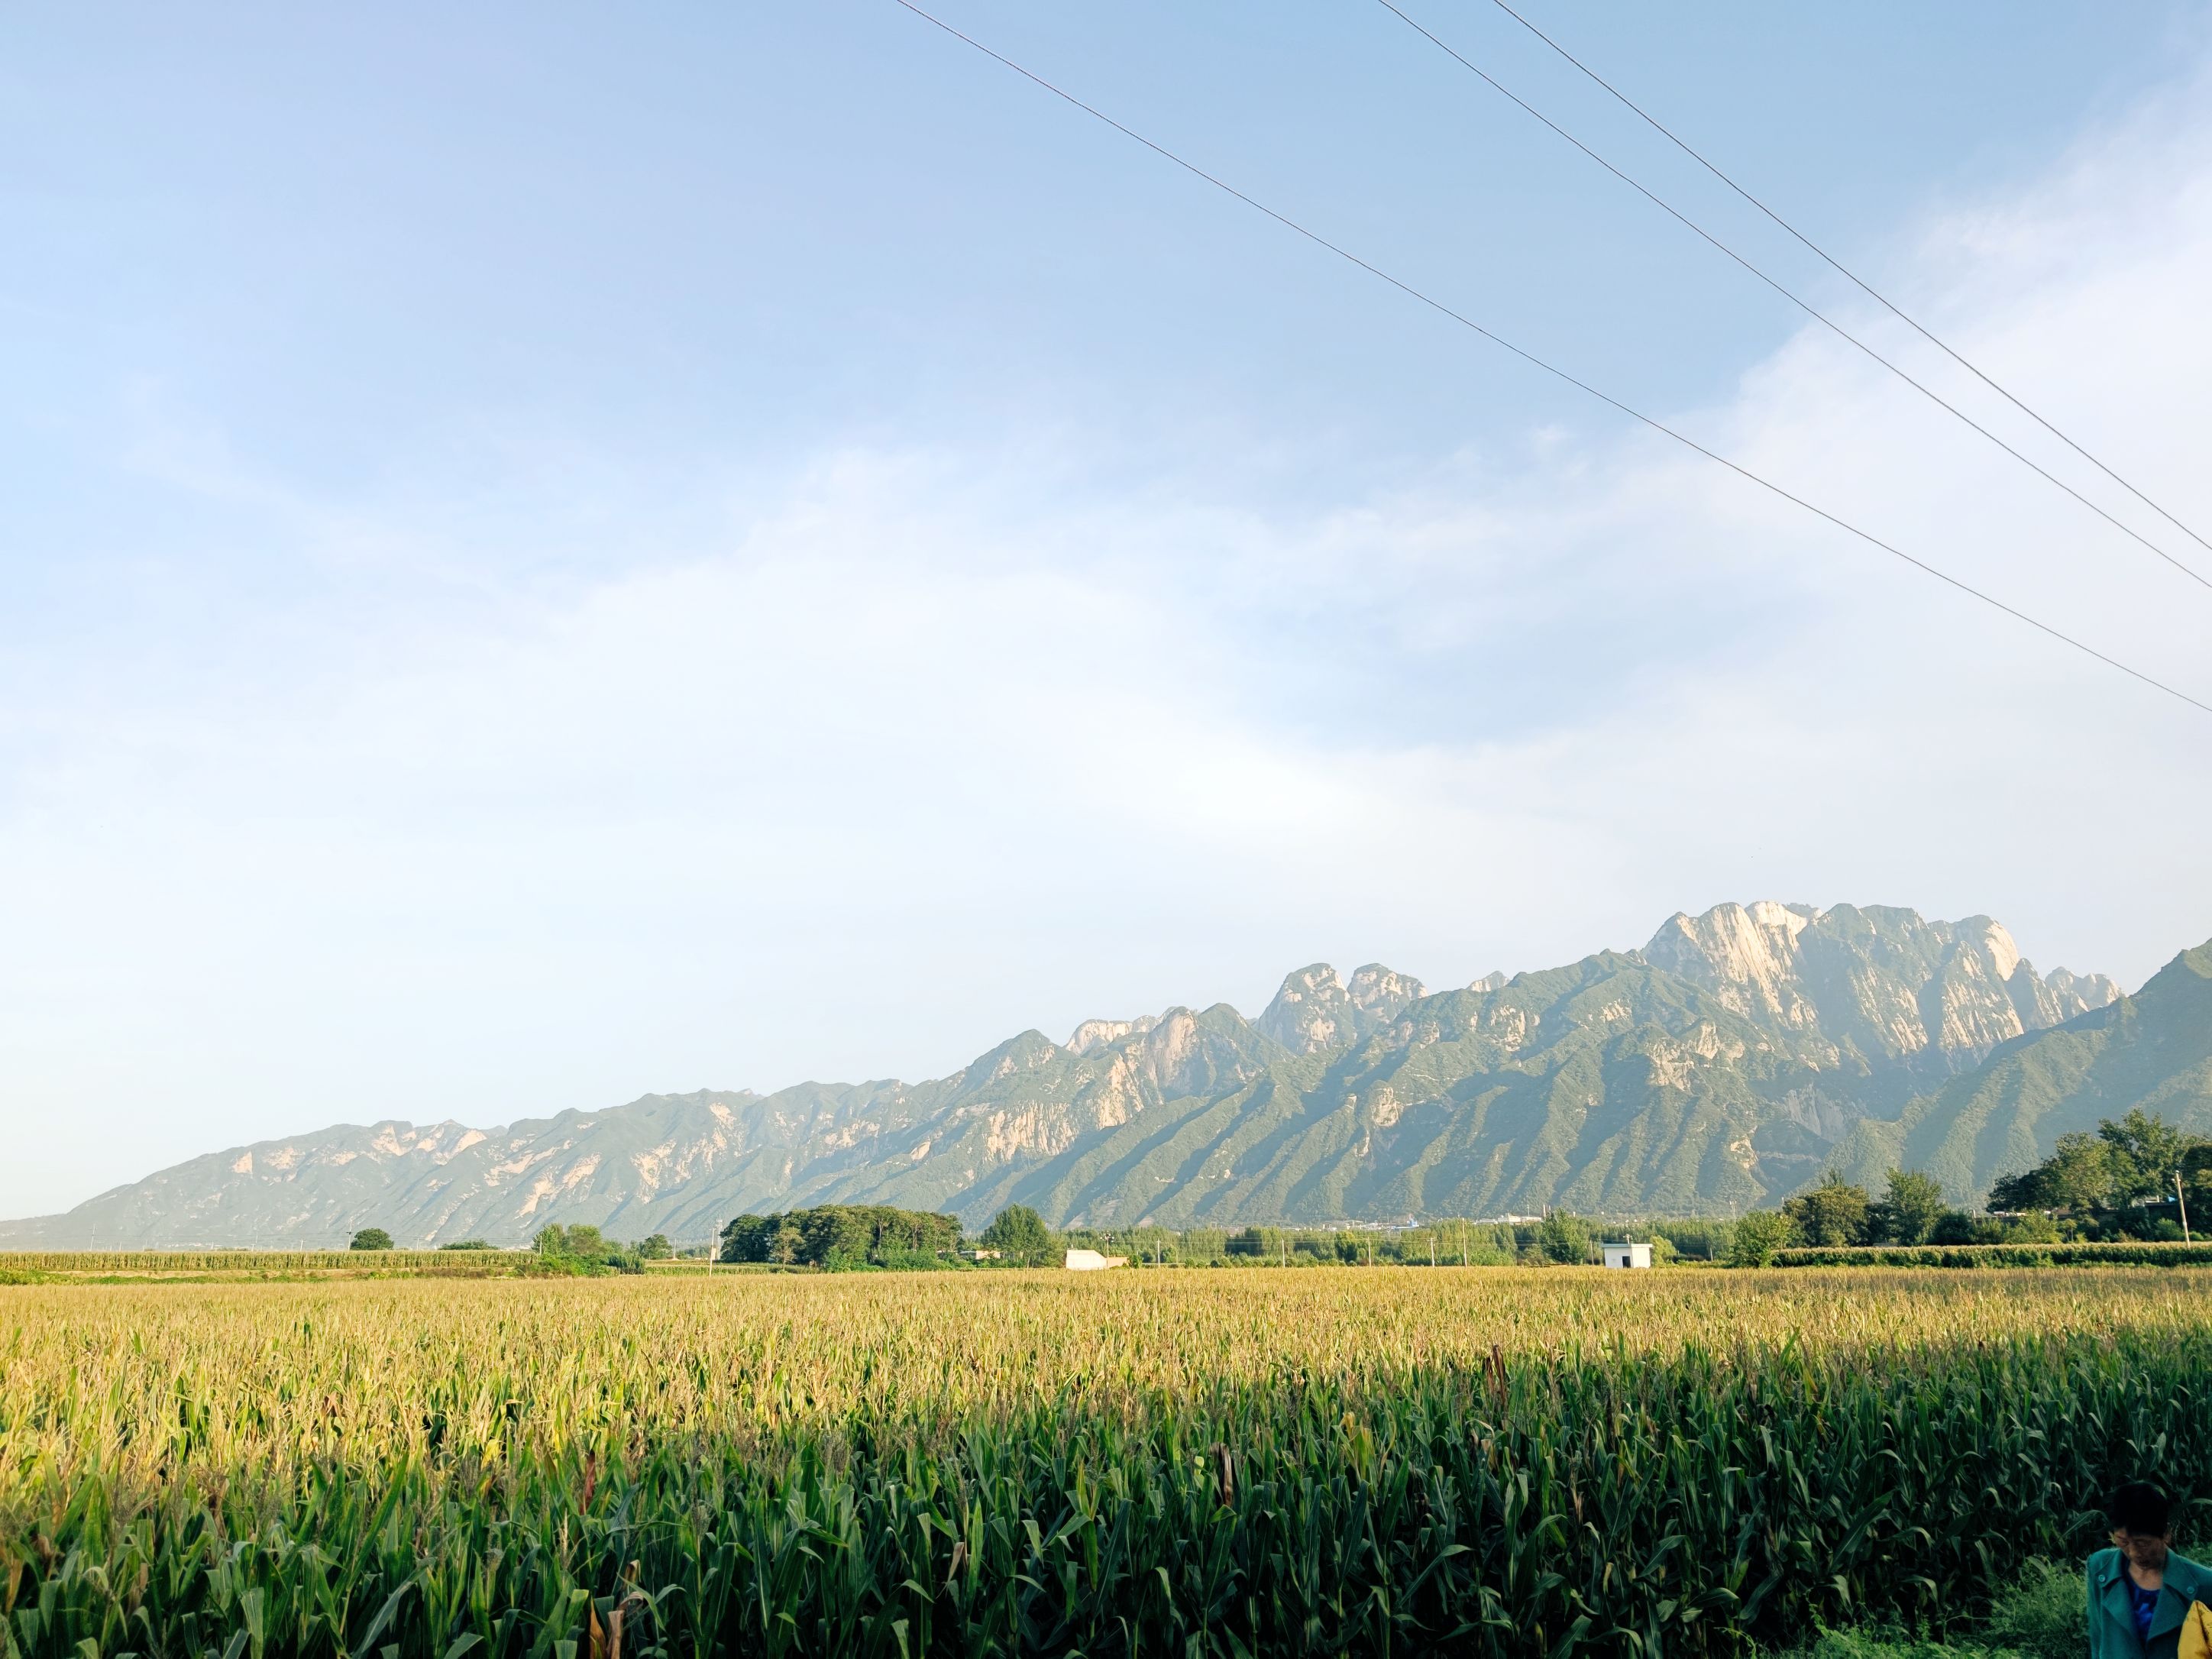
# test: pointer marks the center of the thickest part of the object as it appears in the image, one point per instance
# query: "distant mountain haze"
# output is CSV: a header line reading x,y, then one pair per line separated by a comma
x,y
2153,1050
1735,1057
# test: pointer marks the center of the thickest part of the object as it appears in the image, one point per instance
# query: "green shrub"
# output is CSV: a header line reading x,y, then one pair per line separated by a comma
x,y
2041,1617
920,1262
1758,1239
1865,1644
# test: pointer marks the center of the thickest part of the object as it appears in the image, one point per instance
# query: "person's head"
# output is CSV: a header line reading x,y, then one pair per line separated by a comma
x,y
2142,1523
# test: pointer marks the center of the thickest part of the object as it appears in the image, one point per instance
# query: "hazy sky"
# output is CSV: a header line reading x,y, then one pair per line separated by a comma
x,y
552,552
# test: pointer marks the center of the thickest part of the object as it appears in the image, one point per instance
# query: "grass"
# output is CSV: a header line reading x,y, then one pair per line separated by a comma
x,y
1479,1461
2039,1616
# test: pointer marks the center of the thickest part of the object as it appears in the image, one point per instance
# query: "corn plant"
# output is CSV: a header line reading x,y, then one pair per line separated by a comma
x,y
1485,1462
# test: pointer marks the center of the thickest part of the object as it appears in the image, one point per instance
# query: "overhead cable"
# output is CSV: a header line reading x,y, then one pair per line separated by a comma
x,y
1801,304
1529,357
1853,277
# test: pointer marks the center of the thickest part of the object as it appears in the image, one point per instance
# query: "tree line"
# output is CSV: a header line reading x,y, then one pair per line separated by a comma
x,y
2136,1177
843,1235
578,1248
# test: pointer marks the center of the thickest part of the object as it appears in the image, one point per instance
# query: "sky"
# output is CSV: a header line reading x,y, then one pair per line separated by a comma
x,y
549,553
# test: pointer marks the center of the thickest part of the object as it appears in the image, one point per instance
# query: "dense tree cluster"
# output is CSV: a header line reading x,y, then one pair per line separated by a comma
x,y
2117,1183
1566,1239
2109,1182
1560,1237
583,1249
843,1235
1911,1210
1021,1238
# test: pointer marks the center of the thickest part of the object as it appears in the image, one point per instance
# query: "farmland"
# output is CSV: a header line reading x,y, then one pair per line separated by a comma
x,y
1495,1461
222,1266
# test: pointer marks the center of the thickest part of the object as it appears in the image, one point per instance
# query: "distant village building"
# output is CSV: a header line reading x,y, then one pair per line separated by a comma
x,y
1085,1261
1626,1255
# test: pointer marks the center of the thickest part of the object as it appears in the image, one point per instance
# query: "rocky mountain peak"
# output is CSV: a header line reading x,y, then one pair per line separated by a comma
x,y
1887,982
1310,1010
1315,1010
1094,1034
1746,953
2077,994
1382,992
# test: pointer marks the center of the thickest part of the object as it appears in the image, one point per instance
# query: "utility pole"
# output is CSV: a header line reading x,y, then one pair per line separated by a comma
x,y
2182,1204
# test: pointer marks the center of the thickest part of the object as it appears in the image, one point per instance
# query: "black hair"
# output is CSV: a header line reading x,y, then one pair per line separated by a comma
x,y
2141,1508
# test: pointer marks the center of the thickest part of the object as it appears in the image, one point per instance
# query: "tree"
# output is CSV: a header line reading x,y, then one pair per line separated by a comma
x,y
371,1238
1908,1212
1019,1236
1833,1212
2078,1177
746,1239
1757,1237
655,1248
582,1242
1566,1239
849,1232
836,1230
2146,1152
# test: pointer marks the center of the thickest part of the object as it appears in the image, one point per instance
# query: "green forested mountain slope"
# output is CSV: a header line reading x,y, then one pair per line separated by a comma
x,y
2152,1050
1718,1067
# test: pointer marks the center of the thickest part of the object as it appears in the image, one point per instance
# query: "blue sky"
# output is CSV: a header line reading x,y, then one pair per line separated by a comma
x,y
550,554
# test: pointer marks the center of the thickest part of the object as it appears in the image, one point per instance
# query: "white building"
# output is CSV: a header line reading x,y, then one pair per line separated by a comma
x,y
1626,1255
1085,1261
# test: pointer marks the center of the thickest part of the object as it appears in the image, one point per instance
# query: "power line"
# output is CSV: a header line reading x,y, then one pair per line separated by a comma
x,y
1803,305
1531,358
1852,277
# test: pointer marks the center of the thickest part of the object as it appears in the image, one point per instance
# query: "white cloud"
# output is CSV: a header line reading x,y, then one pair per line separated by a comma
x,y
858,776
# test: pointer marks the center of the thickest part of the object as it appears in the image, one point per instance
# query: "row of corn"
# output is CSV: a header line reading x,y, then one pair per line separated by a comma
x,y
1458,1462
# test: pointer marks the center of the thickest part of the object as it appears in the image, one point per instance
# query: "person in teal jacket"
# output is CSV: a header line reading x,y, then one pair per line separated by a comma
x,y
2140,1591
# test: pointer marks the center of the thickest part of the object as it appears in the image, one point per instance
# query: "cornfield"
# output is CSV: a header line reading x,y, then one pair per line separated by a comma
x,y
1478,1461
19,1266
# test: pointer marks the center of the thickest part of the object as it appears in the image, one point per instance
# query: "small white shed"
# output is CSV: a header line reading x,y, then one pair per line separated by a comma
x,y
1626,1255
1092,1262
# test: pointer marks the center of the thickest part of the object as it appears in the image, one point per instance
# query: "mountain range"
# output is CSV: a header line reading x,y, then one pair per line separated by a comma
x,y
1730,1061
